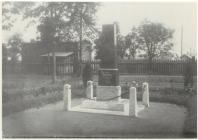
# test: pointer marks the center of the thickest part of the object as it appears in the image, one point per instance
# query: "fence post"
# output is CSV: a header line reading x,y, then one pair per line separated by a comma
x,y
67,97
133,102
89,90
145,96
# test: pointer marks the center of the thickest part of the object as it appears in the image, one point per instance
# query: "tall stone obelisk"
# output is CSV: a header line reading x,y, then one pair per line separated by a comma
x,y
108,78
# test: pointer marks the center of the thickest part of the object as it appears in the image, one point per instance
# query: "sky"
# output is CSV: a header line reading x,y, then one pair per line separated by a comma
x,y
128,14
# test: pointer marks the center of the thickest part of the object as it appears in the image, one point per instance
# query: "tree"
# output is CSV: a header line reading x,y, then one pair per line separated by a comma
x,y
66,18
69,21
4,53
155,38
14,47
62,18
133,42
121,46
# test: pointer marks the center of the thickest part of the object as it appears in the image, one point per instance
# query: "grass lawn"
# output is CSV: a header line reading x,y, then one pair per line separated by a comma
x,y
27,81
21,92
160,120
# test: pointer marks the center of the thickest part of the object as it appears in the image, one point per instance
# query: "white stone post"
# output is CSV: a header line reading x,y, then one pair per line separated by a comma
x,y
67,97
89,90
145,96
133,102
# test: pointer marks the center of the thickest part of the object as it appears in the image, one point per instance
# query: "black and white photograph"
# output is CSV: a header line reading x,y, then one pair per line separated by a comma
x,y
99,69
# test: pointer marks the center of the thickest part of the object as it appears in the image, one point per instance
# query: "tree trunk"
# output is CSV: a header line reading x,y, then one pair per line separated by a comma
x,y
80,44
54,65
133,56
53,51
48,63
81,36
150,65
128,57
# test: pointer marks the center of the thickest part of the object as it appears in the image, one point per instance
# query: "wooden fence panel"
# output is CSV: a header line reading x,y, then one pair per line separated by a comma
x,y
158,67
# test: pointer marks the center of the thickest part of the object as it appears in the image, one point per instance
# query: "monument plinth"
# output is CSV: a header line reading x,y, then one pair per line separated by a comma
x,y
108,74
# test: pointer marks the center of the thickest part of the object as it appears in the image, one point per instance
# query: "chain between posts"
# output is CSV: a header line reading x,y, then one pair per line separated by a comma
x,y
136,85
110,98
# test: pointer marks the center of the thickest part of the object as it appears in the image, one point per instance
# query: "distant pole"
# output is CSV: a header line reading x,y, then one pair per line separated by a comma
x,y
115,44
80,35
190,52
181,39
115,36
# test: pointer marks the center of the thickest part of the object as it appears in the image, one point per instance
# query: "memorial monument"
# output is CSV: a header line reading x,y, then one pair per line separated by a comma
x,y
108,74
108,90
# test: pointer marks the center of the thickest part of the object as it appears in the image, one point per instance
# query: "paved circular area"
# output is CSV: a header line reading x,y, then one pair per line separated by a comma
x,y
160,120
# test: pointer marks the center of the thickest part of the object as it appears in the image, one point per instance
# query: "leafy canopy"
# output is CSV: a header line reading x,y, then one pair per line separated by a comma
x,y
155,38
133,42
14,46
63,17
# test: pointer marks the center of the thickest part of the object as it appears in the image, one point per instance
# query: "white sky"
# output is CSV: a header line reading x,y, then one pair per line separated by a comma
x,y
173,15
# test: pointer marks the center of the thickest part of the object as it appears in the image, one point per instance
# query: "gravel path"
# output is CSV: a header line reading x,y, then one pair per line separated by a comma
x,y
160,120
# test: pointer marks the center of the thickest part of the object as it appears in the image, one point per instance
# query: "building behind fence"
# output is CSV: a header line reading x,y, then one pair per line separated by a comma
x,y
137,67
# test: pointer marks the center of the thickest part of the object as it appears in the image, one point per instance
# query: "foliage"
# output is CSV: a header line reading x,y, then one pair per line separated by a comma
x,y
64,17
4,53
121,46
133,42
7,19
47,32
86,11
59,21
155,38
14,46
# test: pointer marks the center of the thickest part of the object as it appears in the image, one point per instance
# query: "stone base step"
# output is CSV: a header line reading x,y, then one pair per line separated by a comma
x,y
106,107
87,110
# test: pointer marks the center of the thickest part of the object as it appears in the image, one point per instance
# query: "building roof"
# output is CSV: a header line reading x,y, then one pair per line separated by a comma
x,y
59,54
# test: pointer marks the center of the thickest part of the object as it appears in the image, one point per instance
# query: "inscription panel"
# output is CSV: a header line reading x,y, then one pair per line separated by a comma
x,y
108,77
